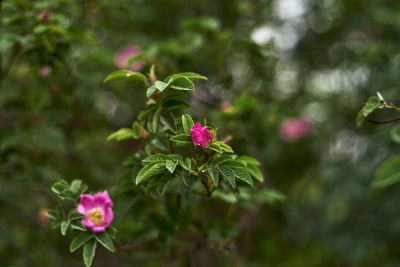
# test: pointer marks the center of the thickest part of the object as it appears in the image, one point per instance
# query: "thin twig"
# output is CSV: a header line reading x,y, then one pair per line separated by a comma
x,y
382,122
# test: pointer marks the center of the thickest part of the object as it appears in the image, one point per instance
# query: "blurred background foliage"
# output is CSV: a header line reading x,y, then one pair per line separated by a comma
x,y
267,61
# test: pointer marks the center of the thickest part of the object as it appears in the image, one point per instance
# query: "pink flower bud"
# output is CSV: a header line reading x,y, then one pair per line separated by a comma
x,y
98,211
45,17
45,70
294,129
123,56
201,136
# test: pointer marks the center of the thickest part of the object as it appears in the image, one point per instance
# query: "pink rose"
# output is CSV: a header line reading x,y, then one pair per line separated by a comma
x,y
98,211
201,136
294,129
122,57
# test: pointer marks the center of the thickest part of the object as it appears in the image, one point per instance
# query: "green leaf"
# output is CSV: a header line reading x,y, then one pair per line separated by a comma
x,y
168,121
183,84
160,85
190,75
255,172
181,138
395,133
136,130
171,165
233,164
220,160
89,250
75,185
370,106
125,75
151,90
148,171
156,118
176,103
73,215
77,225
241,174
121,134
249,160
53,214
225,148
106,241
229,175
187,123
79,240
213,171
64,227
186,164
215,147
60,186
268,196
388,173
157,158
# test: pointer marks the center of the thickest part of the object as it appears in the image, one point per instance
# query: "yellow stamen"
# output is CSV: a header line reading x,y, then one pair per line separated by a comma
x,y
96,216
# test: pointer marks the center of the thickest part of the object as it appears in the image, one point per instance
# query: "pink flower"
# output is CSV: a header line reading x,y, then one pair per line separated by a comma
x,y
45,70
294,129
45,17
201,136
98,211
122,57
226,107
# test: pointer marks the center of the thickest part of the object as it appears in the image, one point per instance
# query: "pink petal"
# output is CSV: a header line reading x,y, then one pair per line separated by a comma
x,y
97,229
87,201
103,199
81,209
108,216
88,223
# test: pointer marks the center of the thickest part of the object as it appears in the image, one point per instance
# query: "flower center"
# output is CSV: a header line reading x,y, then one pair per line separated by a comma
x,y
96,216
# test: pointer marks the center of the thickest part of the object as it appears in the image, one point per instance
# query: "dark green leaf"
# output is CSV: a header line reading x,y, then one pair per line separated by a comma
x,y
213,171
255,172
64,227
89,250
229,175
149,171
106,241
79,240
241,174
388,173
171,165
157,158
182,83
181,138
186,164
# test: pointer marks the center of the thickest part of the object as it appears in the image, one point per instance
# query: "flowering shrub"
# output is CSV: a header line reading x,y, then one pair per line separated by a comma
x,y
180,159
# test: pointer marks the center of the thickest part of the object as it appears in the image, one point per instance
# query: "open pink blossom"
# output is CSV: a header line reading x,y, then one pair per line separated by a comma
x,y
201,136
98,211
294,129
122,57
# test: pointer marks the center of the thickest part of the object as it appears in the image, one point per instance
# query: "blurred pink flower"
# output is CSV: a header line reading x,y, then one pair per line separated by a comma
x,y
45,70
294,129
122,57
45,17
226,107
201,136
43,220
98,211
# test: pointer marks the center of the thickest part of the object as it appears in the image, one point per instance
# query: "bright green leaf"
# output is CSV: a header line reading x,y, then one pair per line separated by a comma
x,y
106,241
229,175
388,173
187,123
125,75
149,171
